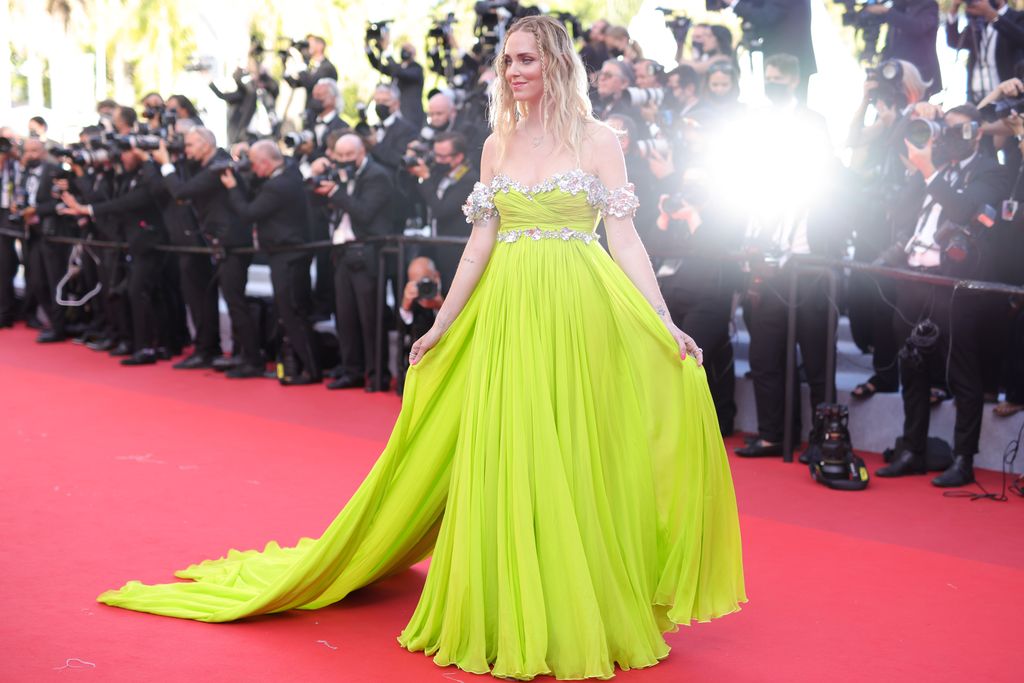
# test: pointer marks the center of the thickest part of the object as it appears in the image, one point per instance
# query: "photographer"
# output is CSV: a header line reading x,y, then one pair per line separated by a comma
x,y
709,43
324,108
784,26
994,40
420,302
317,68
137,211
612,81
406,74
37,196
594,52
442,117
960,184
362,199
911,36
394,133
179,107
279,211
9,171
152,107
444,184
254,89
223,229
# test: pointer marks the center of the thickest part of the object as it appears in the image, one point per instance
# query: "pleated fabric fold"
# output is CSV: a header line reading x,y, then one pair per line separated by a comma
x,y
556,457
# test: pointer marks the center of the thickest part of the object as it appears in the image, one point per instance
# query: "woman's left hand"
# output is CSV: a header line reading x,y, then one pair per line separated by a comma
x,y
686,344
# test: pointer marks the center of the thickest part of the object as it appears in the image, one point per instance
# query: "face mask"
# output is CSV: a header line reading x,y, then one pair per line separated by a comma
x,y
442,169
32,163
615,52
383,111
698,47
724,98
777,92
315,106
406,55
349,167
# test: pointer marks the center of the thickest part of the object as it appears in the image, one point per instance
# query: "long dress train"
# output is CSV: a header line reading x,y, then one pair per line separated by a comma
x,y
553,454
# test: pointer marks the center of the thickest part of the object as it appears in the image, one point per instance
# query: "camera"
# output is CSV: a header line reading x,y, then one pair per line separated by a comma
x,y
920,344
64,171
951,143
1002,109
331,175
420,153
959,242
299,138
6,145
426,288
641,97
237,166
680,24
376,30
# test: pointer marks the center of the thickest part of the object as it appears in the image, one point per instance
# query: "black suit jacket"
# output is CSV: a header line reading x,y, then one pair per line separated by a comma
x,y
242,104
137,208
50,222
447,210
785,26
209,197
1009,45
278,208
391,148
337,123
911,37
370,211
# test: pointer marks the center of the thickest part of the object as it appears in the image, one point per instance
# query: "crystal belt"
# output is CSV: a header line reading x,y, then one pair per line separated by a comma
x,y
536,234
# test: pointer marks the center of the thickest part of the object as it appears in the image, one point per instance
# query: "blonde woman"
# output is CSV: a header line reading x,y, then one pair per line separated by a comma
x,y
557,451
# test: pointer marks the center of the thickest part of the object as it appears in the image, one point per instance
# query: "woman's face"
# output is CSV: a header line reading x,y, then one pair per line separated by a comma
x,y
720,84
523,70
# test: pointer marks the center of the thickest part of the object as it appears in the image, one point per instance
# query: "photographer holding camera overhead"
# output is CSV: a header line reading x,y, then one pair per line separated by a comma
x,y
994,40
963,189
406,74
783,26
911,36
317,67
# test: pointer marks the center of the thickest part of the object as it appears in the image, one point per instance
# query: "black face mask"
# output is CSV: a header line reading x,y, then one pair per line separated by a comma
x,y
441,169
32,163
315,106
349,167
778,93
406,55
698,47
383,111
721,99
615,52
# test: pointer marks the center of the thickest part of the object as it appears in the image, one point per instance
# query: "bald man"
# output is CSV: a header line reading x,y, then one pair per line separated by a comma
x,y
222,227
280,213
363,203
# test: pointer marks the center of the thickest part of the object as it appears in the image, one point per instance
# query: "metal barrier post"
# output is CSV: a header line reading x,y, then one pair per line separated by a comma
x,y
402,364
378,335
791,389
830,338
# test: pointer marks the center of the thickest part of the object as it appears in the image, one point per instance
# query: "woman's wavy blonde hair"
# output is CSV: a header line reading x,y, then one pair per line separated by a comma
x,y
564,106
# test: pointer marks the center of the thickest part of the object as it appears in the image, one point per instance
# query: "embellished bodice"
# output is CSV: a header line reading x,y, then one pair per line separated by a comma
x,y
564,206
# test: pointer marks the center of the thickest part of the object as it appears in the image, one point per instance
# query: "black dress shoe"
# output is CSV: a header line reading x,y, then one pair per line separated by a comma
x,y
143,357
245,371
4,322
300,380
347,382
225,363
122,349
196,361
760,449
34,323
906,462
50,337
100,345
960,473
165,353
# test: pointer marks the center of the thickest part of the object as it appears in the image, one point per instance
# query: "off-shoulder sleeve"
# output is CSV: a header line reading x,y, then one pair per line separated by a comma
x,y
620,203
479,204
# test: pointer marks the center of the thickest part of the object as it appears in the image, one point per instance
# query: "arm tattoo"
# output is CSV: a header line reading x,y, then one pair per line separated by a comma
x,y
661,310
469,260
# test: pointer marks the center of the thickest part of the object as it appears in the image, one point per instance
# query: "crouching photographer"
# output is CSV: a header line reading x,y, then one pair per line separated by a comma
x,y
960,188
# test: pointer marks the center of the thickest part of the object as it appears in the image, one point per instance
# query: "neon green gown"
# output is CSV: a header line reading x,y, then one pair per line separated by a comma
x,y
554,455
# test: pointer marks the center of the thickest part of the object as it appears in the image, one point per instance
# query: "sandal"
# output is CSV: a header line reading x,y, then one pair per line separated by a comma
x,y
864,391
1007,409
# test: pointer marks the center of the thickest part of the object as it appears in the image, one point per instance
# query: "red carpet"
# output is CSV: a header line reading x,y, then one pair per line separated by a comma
x,y
113,474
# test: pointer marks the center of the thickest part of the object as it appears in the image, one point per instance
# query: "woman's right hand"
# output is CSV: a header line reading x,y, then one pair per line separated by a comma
x,y
424,344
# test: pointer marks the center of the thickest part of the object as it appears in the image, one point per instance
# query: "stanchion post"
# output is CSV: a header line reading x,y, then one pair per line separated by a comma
x,y
833,325
791,388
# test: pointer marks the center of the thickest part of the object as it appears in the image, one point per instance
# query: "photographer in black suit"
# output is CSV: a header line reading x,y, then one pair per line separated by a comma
x,y
362,199
253,87
994,40
326,120
279,211
444,186
317,67
395,131
406,74
785,26
221,227
139,213
957,183
911,36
